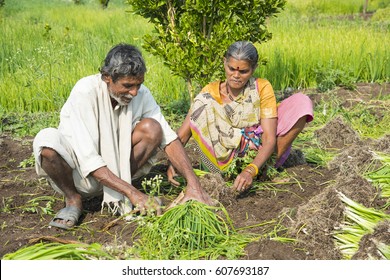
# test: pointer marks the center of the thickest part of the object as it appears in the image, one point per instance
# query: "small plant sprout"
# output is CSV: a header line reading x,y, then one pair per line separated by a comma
x,y
41,205
153,185
28,162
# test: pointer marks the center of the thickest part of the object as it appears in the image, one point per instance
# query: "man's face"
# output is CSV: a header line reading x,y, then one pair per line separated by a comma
x,y
124,89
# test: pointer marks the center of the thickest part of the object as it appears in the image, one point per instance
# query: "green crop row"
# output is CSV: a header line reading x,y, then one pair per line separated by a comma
x,y
46,46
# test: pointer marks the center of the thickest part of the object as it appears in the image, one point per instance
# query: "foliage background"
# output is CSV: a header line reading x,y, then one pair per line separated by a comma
x,y
188,35
47,45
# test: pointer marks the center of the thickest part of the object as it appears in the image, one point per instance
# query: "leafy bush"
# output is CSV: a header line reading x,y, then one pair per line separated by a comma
x,y
192,36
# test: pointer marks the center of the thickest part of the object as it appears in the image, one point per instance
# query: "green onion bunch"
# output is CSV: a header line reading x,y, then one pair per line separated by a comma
x,y
384,249
192,230
321,157
380,178
59,251
359,221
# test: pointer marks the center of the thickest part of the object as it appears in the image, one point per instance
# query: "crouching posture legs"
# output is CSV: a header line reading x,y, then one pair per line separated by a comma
x,y
146,137
284,142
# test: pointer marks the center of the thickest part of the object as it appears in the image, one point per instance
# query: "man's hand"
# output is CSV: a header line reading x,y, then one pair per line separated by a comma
x,y
179,159
198,194
191,193
146,205
143,203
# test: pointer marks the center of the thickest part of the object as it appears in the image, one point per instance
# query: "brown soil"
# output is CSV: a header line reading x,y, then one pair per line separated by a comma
x,y
306,207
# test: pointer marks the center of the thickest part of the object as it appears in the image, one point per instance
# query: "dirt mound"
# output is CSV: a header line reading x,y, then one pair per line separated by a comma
x,y
316,220
360,157
336,134
216,187
314,223
382,144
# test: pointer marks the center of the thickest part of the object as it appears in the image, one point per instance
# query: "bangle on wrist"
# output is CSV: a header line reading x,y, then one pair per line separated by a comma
x,y
252,169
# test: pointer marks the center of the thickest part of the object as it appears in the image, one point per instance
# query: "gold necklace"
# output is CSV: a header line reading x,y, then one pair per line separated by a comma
x,y
228,92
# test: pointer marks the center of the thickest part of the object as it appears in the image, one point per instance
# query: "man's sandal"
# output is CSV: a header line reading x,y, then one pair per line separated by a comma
x,y
67,214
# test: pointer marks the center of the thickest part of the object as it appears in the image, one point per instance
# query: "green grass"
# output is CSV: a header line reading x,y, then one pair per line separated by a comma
x,y
334,6
46,49
46,46
303,50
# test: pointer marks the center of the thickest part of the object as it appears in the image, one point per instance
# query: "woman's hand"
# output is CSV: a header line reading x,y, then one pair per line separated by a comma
x,y
171,174
243,181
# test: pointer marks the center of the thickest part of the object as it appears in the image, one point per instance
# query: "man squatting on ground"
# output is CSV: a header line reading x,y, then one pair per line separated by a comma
x,y
110,128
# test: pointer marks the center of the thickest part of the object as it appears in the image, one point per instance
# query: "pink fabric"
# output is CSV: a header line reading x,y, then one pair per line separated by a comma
x,y
290,111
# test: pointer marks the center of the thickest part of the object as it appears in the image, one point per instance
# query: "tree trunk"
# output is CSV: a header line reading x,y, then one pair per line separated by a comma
x,y
104,3
190,90
365,6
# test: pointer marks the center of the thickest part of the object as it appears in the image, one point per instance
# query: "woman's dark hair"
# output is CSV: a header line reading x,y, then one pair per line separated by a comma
x,y
123,60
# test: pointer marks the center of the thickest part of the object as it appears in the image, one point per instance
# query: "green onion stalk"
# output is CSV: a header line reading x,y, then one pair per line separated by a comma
x,y
380,177
384,249
318,156
189,231
359,221
59,251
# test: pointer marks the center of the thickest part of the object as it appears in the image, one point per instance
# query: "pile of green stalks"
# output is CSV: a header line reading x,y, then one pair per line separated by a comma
x,y
359,221
59,251
380,177
314,154
189,231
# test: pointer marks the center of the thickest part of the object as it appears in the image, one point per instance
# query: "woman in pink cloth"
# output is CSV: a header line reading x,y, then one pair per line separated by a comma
x,y
229,117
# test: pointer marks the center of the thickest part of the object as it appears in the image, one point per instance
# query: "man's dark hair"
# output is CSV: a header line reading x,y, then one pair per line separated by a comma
x,y
123,60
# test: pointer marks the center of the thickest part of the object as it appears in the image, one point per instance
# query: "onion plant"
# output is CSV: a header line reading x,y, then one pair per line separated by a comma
x,y
359,221
384,249
314,154
59,251
380,177
191,230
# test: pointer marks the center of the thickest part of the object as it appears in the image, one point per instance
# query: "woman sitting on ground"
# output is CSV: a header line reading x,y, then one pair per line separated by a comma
x,y
227,118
